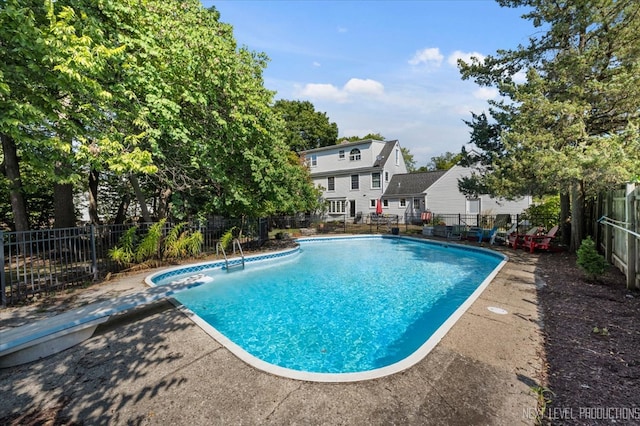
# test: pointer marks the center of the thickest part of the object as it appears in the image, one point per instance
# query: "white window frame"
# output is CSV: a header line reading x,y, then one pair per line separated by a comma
x,y
314,160
331,183
341,154
402,202
372,203
373,180
473,205
337,206
355,155
356,181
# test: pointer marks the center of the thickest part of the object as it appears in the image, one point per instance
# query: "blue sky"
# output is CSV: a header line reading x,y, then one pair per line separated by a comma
x,y
383,67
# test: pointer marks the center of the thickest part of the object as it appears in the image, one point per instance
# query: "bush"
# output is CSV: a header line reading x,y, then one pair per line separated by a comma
x,y
590,261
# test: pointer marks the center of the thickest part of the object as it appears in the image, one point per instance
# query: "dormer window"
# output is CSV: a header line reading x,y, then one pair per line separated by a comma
x,y
341,154
354,155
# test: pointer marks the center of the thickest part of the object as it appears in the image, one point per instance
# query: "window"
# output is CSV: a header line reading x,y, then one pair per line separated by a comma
x,y
354,155
416,204
397,157
355,182
403,202
473,206
337,206
372,203
375,180
385,203
314,160
341,154
331,183
386,176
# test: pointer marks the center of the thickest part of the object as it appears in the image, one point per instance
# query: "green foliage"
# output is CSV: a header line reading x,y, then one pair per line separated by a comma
x,y
572,126
409,161
444,161
149,247
601,331
226,238
305,127
90,85
374,136
180,244
592,263
123,253
545,213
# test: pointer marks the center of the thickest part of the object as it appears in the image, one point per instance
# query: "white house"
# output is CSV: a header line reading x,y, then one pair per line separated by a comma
x,y
438,192
354,175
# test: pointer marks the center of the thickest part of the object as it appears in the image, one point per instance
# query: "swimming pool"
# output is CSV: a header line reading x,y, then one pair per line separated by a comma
x,y
339,309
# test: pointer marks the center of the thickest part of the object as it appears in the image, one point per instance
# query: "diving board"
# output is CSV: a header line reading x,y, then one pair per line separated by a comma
x,y
48,336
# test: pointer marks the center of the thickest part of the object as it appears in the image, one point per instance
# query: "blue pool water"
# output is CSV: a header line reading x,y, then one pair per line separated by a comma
x,y
341,305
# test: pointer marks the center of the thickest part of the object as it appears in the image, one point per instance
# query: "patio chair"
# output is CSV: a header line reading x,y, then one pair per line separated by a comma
x,y
515,239
542,242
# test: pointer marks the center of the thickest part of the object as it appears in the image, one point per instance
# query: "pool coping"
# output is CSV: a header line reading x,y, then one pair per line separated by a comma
x,y
408,362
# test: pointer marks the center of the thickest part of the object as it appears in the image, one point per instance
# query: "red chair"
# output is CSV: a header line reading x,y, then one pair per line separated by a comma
x,y
542,242
515,239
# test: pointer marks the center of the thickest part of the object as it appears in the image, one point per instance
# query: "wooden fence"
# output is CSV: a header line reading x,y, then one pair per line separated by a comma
x,y
619,231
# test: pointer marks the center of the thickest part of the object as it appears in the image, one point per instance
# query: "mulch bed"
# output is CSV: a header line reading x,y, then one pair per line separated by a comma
x,y
592,345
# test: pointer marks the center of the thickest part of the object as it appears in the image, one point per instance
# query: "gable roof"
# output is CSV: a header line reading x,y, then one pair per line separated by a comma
x,y
385,154
343,145
412,183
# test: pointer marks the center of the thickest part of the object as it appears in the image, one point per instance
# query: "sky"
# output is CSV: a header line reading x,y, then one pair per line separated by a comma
x,y
386,67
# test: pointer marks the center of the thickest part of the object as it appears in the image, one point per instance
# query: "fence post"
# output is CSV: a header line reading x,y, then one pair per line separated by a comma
x,y
3,283
608,230
94,257
632,245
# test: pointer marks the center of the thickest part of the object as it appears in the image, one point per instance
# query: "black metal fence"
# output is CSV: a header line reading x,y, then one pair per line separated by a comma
x,y
49,260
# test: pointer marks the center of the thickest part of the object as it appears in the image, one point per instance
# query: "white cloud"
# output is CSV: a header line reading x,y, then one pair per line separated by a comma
x,y
365,87
323,92
316,64
485,93
342,30
353,87
429,56
465,56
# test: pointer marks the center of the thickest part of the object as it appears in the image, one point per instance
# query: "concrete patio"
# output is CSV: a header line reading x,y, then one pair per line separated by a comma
x,y
153,365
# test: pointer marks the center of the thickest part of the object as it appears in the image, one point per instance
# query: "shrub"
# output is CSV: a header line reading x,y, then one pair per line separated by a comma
x,y
590,261
123,252
226,238
149,247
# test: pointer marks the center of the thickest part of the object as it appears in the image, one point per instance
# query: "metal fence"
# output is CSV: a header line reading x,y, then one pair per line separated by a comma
x,y
48,260
44,261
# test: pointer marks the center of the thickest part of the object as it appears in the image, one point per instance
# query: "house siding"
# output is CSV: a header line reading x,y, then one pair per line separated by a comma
x,y
328,164
444,197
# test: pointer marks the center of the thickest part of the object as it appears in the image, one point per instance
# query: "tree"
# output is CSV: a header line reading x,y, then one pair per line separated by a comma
x,y
374,136
139,98
305,128
572,127
409,161
444,161
49,96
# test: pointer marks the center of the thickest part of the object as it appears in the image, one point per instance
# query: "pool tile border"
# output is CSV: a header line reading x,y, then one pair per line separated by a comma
x,y
153,279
